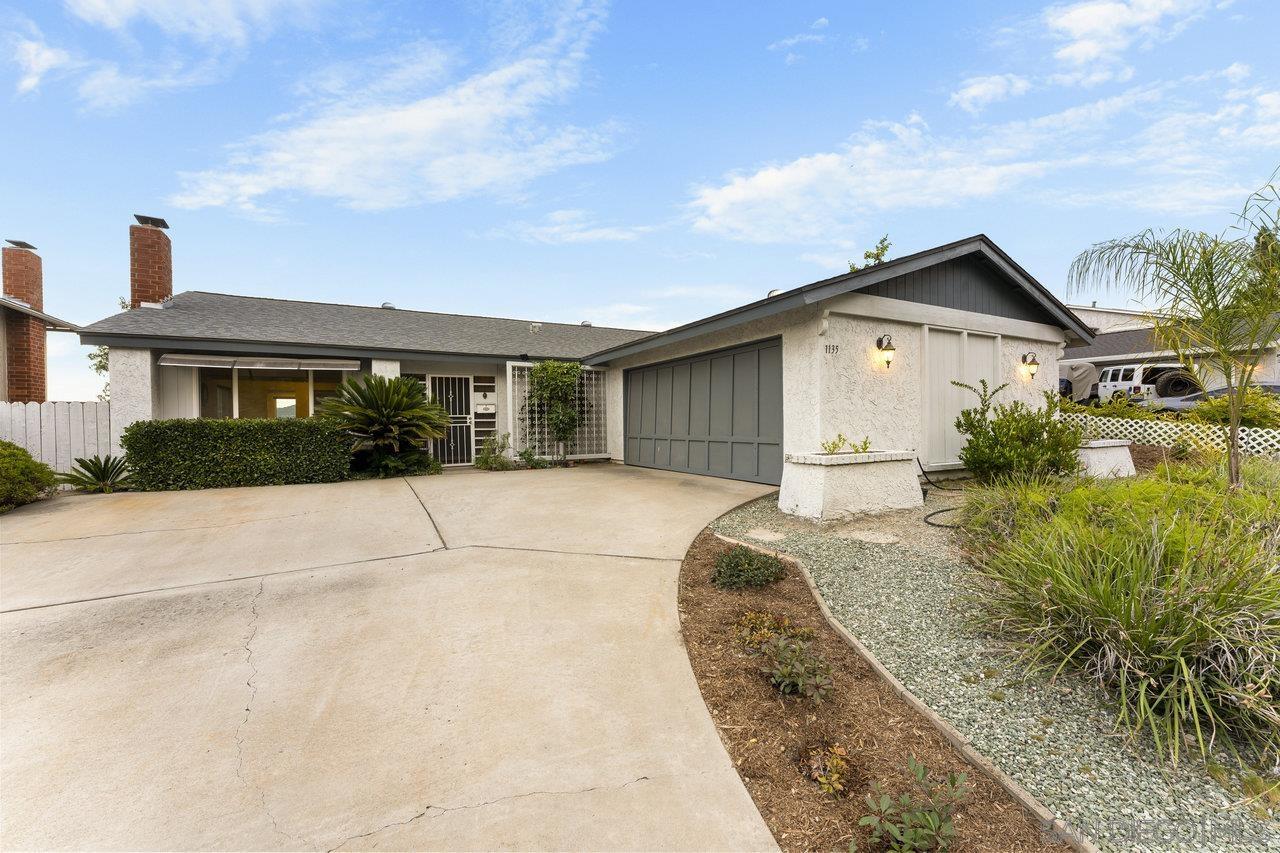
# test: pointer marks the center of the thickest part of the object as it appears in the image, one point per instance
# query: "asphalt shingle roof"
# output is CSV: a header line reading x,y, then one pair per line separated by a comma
x,y
1113,344
200,315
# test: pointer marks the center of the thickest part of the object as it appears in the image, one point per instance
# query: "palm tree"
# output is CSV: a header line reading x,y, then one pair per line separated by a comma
x,y
1215,298
386,417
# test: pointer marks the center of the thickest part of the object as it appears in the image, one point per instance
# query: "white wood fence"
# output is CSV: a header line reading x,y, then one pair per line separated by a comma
x,y
57,433
1260,442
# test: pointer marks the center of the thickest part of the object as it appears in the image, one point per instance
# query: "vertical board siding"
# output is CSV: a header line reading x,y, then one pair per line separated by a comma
x,y
58,433
718,413
965,284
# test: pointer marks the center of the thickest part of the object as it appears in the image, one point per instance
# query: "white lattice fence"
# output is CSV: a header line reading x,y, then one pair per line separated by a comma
x,y
58,433
529,424
1260,442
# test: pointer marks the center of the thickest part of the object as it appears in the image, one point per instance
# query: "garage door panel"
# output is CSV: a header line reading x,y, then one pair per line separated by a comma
x,y
698,456
771,396
718,413
700,398
769,460
718,458
679,454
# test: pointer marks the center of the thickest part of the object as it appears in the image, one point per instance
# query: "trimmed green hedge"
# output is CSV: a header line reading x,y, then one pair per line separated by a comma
x,y
211,453
22,479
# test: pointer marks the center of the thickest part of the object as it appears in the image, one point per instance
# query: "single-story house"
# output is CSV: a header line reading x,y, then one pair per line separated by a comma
x,y
23,325
868,353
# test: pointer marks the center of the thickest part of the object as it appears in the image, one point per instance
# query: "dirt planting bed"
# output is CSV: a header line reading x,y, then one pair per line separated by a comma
x,y
771,738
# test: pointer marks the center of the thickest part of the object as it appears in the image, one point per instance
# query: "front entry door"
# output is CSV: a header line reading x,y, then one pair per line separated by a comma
x,y
454,393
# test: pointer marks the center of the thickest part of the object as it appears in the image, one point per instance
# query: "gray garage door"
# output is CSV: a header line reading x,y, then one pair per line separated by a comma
x,y
719,413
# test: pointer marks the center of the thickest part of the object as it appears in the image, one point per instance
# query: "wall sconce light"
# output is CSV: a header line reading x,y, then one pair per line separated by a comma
x,y
884,343
1032,363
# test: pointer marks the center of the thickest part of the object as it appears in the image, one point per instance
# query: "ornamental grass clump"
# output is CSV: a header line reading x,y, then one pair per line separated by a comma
x,y
1165,590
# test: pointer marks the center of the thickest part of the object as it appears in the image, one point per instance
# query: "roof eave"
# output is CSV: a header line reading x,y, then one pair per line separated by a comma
x,y
51,322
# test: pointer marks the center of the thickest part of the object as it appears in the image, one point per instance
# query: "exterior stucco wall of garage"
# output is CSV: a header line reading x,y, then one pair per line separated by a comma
x,y
833,380
799,332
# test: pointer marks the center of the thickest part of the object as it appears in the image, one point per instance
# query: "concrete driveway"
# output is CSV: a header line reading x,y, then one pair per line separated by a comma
x,y
472,661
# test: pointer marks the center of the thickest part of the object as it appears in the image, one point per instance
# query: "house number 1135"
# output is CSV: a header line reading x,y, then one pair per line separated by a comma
x,y
832,349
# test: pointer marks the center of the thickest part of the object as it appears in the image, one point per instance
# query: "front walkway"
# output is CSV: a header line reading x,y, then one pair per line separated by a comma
x,y
474,661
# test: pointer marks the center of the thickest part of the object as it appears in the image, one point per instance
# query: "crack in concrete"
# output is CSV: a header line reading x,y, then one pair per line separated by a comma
x,y
250,682
435,811
430,517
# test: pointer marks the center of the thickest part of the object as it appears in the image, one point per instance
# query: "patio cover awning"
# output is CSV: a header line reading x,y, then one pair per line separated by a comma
x,y
179,359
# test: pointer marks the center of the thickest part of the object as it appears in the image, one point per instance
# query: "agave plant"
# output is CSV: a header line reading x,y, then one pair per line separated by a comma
x,y
104,474
386,417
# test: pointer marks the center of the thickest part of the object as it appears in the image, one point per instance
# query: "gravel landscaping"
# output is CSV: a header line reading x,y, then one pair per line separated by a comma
x,y
895,584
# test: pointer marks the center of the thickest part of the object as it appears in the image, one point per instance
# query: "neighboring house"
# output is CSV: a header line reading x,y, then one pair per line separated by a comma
x,y
1105,320
23,325
726,395
1081,362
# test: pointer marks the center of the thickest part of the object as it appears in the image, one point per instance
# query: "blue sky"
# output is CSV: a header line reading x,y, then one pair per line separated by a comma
x,y
635,164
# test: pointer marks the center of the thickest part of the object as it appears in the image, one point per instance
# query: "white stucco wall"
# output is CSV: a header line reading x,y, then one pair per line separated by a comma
x,y
132,373
798,330
384,367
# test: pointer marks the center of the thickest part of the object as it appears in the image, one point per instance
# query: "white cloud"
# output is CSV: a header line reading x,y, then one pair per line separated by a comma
x,y
35,59
799,38
819,24
107,87
491,133
1102,31
976,92
1145,148
234,21
571,226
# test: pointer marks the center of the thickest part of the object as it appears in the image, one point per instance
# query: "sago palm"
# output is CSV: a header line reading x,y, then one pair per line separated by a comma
x,y
104,474
386,416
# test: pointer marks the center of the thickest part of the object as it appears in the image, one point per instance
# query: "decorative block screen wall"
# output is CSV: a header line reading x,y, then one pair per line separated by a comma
x,y
1261,442
529,426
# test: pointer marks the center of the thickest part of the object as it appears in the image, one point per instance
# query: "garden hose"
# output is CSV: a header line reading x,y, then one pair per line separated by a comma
x,y
928,519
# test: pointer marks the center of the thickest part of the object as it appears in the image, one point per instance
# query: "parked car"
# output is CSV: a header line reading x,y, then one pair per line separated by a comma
x,y
1181,404
1146,381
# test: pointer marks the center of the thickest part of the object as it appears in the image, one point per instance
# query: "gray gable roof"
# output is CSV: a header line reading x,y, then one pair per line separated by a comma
x,y
50,321
1115,344
220,320
979,248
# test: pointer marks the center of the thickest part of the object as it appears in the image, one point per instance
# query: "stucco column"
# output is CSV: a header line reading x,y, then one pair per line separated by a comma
x,y
385,367
131,373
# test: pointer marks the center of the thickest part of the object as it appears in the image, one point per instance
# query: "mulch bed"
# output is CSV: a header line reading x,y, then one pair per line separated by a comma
x,y
1147,456
770,736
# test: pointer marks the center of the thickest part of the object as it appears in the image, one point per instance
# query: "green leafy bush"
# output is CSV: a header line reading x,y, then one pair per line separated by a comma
x,y
756,628
386,418
795,669
1014,439
1116,407
493,454
98,474
920,821
1163,589
209,453
741,566
828,767
22,479
1258,409
529,459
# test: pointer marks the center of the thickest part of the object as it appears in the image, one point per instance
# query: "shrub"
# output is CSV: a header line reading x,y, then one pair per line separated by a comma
x,y
98,475
794,668
923,821
828,766
838,443
741,566
756,628
529,459
385,418
1116,407
1015,439
209,453
1162,589
1258,409
22,479
493,454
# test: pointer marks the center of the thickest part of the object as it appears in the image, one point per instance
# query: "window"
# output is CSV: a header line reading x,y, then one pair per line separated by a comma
x,y
1127,375
285,407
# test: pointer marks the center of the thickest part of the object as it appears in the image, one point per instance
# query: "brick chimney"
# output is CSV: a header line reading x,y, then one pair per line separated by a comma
x,y
150,262
25,367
